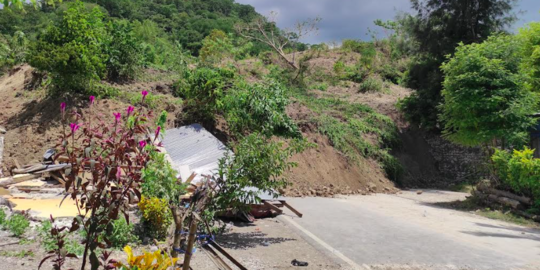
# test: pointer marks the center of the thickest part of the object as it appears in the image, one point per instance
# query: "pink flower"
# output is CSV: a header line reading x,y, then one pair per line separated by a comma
x,y
118,172
92,98
144,94
130,110
142,144
158,130
63,107
74,127
117,117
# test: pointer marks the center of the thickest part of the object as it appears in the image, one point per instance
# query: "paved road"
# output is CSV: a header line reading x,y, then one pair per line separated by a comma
x,y
396,231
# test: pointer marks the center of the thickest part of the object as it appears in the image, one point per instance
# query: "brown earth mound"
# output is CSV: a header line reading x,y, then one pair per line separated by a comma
x,y
33,120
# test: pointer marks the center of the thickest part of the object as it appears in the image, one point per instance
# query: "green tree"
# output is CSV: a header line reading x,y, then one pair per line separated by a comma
x,y
216,47
485,102
256,167
13,50
71,50
438,27
124,51
530,37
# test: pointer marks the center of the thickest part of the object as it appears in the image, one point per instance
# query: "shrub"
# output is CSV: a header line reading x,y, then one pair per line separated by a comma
x,y
484,98
156,216
261,108
124,50
321,86
112,154
2,217
351,45
520,171
159,179
13,50
216,47
49,242
71,50
203,90
372,84
17,224
257,163
530,52
122,233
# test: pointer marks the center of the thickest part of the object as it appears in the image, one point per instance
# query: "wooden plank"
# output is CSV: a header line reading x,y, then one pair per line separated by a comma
x,y
222,251
273,207
59,179
291,208
218,261
6,181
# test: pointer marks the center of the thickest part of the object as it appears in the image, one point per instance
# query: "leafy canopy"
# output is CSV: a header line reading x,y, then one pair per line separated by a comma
x,y
436,28
484,97
71,50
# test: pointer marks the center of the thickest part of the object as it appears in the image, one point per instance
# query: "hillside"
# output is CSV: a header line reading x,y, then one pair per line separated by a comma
x,y
32,122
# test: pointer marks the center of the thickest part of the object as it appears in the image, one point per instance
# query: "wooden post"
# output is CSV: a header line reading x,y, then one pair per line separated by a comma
x,y
191,241
179,227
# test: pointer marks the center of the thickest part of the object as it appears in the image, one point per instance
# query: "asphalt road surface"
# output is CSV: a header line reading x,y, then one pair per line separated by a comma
x,y
406,231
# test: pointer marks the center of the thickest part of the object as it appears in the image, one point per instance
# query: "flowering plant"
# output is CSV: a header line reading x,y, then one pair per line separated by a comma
x,y
106,160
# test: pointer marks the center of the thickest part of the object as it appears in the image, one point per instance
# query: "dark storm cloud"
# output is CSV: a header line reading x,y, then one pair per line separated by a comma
x,y
352,18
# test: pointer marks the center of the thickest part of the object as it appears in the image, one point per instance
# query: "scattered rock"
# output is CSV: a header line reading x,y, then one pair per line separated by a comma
x,y
3,130
419,192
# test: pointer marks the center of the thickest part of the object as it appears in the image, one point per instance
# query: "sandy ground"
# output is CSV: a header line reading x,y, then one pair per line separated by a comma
x,y
406,231
266,244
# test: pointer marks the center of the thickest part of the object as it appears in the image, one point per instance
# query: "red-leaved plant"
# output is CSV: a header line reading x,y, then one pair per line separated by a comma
x,y
106,159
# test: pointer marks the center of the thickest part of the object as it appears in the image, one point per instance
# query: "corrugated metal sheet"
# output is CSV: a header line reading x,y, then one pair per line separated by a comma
x,y
195,147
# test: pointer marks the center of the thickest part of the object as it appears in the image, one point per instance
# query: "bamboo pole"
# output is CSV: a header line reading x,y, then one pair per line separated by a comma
x,y
191,241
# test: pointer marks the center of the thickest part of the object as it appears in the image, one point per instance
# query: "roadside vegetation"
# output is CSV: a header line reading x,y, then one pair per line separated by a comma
x,y
236,73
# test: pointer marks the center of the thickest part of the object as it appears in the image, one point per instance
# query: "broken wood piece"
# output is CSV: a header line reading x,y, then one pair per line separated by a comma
x,y
6,181
273,207
16,163
291,208
10,243
218,261
41,168
505,201
59,179
222,251
507,194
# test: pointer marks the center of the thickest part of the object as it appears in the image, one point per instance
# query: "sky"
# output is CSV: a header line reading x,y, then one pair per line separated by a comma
x,y
343,19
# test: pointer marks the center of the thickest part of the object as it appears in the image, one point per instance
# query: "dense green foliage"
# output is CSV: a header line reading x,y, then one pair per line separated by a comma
x,y
436,29
160,179
259,108
156,216
520,171
257,163
484,96
2,217
48,241
12,50
203,90
17,224
189,22
124,51
71,50
122,233
530,40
